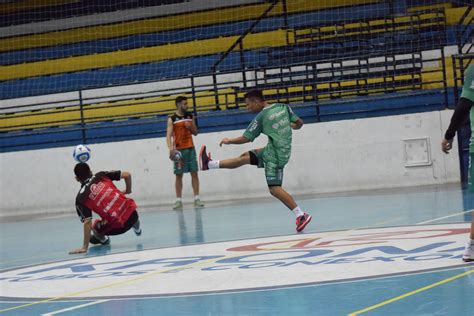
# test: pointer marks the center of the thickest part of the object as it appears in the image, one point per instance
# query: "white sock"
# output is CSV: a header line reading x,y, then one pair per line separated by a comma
x,y
196,197
213,164
179,200
297,211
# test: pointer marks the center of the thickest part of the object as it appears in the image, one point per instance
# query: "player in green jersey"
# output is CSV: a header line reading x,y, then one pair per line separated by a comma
x,y
462,111
276,121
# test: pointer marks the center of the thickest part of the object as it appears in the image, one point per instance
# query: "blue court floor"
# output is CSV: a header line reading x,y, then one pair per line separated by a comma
x,y
387,252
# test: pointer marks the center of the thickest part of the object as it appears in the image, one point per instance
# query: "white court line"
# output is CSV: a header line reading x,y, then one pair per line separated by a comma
x,y
74,308
444,217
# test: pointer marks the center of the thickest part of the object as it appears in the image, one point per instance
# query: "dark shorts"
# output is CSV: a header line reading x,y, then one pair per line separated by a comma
x,y
188,162
273,173
108,230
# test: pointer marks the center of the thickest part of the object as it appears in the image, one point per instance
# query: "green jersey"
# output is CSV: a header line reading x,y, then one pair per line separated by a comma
x,y
275,122
468,93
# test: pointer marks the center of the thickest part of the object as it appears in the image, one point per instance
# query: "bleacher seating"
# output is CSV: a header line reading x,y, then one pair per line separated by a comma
x,y
367,53
153,63
316,82
125,108
20,12
186,21
160,36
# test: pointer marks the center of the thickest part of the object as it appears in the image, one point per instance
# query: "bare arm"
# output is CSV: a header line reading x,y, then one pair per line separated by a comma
x,y
169,134
234,141
169,138
192,127
298,124
87,236
128,181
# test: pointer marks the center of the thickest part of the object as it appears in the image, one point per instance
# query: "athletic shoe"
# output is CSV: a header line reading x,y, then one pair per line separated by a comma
x,y
302,221
95,241
198,203
178,205
107,241
204,158
468,255
137,231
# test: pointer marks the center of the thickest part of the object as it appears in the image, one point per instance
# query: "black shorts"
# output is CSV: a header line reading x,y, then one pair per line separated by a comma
x,y
106,230
253,158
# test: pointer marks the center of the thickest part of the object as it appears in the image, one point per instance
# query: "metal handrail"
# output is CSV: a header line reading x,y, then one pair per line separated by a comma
x,y
303,77
244,34
285,78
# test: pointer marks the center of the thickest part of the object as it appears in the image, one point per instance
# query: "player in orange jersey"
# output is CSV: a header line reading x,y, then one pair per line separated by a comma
x,y
179,137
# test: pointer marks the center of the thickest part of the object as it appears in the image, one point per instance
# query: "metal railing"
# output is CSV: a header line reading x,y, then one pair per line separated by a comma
x,y
465,34
318,82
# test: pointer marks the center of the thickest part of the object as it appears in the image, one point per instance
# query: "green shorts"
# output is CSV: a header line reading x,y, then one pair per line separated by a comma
x,y
188,162
273,173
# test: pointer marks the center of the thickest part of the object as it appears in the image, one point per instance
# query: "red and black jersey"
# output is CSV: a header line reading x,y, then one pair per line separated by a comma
x,y
101,196
183,138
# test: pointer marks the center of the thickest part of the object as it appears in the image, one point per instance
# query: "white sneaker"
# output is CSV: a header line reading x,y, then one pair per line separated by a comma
x,y
468,255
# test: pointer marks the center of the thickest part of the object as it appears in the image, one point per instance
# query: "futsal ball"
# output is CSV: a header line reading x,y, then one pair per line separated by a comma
x,y
81,153
177,156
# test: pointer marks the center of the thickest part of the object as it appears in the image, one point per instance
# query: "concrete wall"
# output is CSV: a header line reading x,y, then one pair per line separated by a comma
x,y
327,157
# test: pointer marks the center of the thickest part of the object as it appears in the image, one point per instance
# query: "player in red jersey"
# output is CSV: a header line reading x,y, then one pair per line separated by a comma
x,y
98,194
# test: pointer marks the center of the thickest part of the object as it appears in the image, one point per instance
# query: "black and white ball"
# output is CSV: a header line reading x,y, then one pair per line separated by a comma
x,y
81,153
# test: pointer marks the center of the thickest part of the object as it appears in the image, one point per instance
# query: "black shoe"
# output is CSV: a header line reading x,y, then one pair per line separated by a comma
x,y
95,241
107,241
138,231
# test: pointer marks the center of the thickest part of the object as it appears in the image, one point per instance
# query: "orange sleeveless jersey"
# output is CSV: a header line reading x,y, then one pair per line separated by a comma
x,y
183,138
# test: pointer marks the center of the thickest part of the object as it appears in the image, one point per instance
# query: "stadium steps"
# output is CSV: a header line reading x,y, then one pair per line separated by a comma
x,y
146,39
428,7
260,57
278,38
189,20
